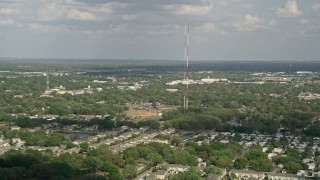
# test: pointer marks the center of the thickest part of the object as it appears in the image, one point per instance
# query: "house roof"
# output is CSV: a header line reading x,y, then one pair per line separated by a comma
x,y
252,178
173,166
246,172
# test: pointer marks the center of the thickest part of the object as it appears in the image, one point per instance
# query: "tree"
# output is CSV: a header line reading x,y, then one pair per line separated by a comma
x,y
144,151
53,140
109,167
181,156
237,137
283,141
18,159
259,160
91,164
255,153
221,161
263,165
240,163
116,177
103,124
293,152
84,147
155,158
176,141
130,172
212,170
75,160
153,124
35,140
191,174
70,145
270,149
62,169
43,171
108,156
307,153
313,130
292,167
12,173
131,153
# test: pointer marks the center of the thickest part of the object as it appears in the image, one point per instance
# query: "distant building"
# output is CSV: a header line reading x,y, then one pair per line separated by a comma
x,y
172,90
159,175
309,96
304,72
280,176
202,81
62,90
101,82
271,155
246,174
212,80
277,150
15,128
169,169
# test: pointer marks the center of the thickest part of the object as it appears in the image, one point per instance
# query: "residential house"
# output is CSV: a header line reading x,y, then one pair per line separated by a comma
x,y
4,143
15,128
174,168
151,177
17,142
271,155
246,174
277,150
281,176
159,175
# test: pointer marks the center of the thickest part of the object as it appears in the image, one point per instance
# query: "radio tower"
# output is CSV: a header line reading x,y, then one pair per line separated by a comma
x,y
186,67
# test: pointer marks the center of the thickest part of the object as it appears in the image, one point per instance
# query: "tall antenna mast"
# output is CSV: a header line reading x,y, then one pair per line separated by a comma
x,y
186,67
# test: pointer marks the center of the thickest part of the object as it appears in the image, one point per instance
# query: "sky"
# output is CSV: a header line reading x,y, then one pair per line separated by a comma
x,y
275,30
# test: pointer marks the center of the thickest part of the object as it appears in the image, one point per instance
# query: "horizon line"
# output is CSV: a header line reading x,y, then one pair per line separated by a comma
x,y
154,59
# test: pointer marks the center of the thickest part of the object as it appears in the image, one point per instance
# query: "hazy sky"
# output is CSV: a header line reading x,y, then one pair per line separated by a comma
x,y
154,29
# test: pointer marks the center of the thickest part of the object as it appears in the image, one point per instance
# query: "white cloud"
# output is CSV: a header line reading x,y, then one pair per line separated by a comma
x,y
238,3
210,28
128,17
47,28
76,14
60,11
195,10
7,22
316,7
52,11
8,11
227,2
250,22
290,9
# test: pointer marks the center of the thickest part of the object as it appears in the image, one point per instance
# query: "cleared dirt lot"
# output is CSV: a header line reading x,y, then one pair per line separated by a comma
x,y
137,114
